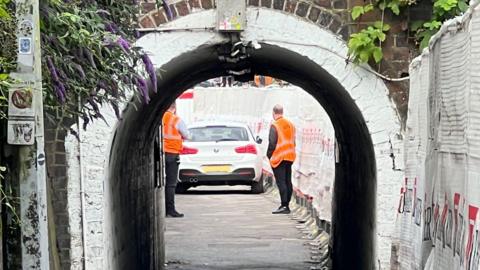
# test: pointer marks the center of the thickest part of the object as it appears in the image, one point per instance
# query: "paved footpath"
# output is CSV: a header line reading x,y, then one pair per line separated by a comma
x,y
226,228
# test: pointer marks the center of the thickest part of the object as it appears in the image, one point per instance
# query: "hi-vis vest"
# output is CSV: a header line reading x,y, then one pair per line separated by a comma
x,y
172,139
285,148
266,80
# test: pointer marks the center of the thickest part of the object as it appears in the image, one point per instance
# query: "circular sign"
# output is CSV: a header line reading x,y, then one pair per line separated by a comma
x,y
22,99
41,159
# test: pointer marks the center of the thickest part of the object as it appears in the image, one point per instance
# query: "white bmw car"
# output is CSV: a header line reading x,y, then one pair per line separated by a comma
x,y
221,153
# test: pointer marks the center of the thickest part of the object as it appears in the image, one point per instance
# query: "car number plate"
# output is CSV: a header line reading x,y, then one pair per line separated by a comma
x,y
216,168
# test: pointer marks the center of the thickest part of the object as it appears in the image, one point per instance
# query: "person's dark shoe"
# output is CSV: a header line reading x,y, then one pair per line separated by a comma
x,y
282,210
174,214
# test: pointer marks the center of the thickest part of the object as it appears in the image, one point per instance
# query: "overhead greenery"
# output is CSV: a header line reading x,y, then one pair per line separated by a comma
x,y
366,45
88,58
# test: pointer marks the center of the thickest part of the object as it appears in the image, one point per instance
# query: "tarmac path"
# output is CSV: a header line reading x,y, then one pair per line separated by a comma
x,y
226,228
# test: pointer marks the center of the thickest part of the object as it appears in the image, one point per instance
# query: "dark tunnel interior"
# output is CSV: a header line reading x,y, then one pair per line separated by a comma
x,y
135,183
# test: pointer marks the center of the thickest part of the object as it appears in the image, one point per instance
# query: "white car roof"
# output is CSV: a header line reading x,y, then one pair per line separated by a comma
x,y
217,123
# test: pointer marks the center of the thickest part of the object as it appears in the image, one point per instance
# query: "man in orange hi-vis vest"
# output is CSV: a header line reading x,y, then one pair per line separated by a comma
x,y
174,131
260,80
281,152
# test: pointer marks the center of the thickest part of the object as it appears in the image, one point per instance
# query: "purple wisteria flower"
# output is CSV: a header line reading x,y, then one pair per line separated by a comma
x,y
102,85
114,90
142,86
136,33
125,79
60,91
111,27
123,44
58,86
151,71
52,69
167,9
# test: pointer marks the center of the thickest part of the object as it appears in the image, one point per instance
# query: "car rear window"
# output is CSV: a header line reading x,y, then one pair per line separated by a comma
x,y
218,133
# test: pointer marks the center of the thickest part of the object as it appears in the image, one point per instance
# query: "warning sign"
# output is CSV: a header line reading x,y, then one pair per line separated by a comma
x,y
21,116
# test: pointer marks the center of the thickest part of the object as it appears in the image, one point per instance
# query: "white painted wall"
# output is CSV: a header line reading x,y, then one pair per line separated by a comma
x,y
277,28
94,152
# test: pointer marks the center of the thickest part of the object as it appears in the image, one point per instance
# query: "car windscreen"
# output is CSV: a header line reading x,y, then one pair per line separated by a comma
x,y
217,133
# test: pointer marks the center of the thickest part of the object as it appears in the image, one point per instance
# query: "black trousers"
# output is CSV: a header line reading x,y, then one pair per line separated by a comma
x,y
171,170
283,178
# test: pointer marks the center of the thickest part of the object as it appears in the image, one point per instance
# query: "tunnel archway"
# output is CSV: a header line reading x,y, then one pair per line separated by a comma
x,y
355,180
309,56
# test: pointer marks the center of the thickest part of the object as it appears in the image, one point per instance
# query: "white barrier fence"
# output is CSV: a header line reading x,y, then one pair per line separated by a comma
x,y
314,167
438,221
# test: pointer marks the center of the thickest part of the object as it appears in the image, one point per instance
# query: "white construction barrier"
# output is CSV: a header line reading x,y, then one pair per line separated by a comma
x,y
438,220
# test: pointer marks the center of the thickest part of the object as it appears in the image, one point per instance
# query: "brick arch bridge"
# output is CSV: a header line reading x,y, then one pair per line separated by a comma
x,y
130,243
333,15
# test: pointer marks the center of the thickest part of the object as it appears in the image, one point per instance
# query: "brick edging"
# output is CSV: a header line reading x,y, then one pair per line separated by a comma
x,y
318,14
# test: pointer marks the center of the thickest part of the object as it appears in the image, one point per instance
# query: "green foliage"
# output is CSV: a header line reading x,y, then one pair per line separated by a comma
x,y
8,58
362,45
87,55
358,11
442,11
443,6
392,5
4,11
8,199
8,51
366,44
4,85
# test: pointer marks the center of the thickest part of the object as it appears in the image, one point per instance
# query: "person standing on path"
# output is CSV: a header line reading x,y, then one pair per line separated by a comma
x,y
174,131
281,152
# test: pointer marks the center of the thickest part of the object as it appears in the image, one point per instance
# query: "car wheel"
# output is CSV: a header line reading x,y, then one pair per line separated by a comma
x,y
258,187
181,188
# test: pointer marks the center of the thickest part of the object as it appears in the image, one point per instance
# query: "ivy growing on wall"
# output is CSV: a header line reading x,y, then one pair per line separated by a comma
x,y
366,45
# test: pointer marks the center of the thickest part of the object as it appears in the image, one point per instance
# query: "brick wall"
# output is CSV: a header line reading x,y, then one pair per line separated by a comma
x,y
57,182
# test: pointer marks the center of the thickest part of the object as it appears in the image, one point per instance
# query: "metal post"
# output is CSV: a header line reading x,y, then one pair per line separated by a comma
x,y
33,192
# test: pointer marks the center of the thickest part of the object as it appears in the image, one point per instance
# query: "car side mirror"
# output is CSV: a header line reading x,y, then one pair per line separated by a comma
x,y
258,140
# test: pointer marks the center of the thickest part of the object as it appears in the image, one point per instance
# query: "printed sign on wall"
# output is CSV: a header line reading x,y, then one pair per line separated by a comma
x,y
21,116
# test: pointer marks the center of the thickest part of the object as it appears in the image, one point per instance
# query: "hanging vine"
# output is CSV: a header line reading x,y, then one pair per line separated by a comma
x,y
87,54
